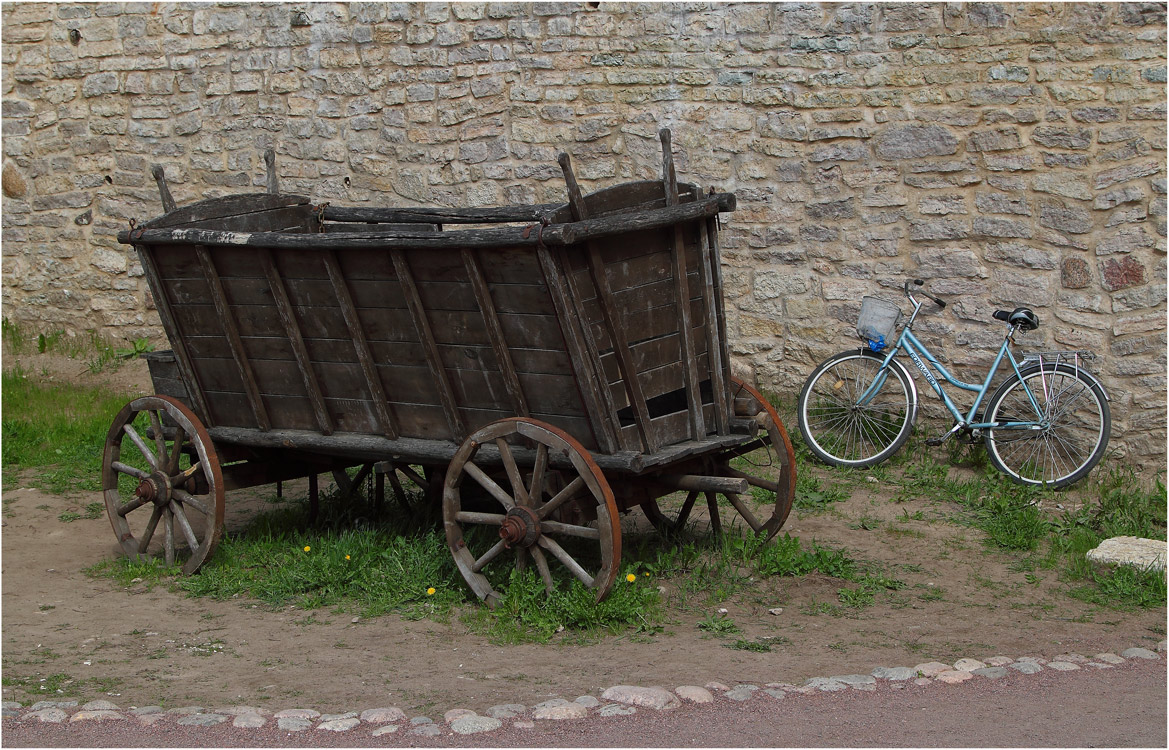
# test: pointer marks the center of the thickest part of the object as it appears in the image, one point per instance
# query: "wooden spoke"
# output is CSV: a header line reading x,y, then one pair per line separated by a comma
x,y
744,511
568,529
513,472
413,476
716,526
141,445
525,451
122,468
536,490
396,485
159,438
490,555
550,544
181,478
180,516
168,529
149,532
542,566
489,484
684,513
397,474
669,524
186,498
486,519
170,498
134,504
570,490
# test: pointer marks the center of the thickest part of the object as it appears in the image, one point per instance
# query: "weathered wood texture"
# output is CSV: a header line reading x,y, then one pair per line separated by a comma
x,y
391,328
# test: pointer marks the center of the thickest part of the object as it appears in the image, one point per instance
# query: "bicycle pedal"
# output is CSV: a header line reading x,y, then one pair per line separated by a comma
x,y
936,441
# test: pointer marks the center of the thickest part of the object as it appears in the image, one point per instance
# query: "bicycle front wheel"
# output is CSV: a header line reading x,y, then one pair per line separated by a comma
x,y
1058,445
853,412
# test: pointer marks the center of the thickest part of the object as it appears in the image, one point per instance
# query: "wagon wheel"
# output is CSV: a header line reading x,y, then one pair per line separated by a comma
x,y
169,475
401,476
772,436
539,509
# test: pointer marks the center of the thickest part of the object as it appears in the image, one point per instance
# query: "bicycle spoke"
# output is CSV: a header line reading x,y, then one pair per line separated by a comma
x,y
838,427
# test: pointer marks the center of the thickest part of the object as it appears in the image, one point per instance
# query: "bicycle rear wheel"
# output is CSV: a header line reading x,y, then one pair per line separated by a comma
x,y
842,430
1075,423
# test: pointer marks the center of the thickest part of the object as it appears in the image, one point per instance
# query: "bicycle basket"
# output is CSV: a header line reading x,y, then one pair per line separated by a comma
x,y
877,321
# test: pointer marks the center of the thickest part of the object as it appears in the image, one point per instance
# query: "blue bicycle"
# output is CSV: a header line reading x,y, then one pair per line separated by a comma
x,y
1048,424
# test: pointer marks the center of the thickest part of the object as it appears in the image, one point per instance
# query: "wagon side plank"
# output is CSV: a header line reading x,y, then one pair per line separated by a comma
x,y
178,341
682,296
226,207
718,312
361,346
614,327
426,337
440,215
288,318
582,354
710,298
231,331
511,380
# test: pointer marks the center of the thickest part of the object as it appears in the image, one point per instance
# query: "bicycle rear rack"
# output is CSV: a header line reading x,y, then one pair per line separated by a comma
x,y
1074,359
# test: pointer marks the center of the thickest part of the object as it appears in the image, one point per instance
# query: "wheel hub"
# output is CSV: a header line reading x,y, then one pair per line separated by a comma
x,y
521,526
154,489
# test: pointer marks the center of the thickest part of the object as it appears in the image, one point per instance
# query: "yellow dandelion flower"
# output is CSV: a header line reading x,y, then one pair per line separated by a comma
x,y
347,557
430,591
307,548
647,574
631,577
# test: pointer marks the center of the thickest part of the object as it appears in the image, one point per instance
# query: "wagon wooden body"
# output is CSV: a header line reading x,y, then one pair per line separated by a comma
x,y
570,359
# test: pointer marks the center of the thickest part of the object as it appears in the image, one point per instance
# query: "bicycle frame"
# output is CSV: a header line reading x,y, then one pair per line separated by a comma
x,y
915,349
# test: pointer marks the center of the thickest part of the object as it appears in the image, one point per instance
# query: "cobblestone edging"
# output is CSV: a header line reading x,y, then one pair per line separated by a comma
x,y
619,700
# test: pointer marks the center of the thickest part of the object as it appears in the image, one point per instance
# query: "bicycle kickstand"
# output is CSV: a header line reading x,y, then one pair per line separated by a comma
x,y
939,440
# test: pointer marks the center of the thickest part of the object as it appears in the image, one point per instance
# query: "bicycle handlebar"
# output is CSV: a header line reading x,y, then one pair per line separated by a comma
x,y
919,283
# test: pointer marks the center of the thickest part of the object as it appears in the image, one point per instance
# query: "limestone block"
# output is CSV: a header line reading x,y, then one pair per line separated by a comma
x,y
1130,550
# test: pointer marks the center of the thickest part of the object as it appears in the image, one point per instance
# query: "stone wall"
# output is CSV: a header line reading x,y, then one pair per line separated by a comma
x,y
1011,153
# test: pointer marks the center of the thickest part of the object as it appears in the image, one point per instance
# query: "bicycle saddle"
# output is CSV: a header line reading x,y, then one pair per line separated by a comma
x,y
1020,317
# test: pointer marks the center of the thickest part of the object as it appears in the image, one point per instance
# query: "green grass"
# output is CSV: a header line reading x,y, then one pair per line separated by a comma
x,y
98,352
402,565
50,447
1112,503
1125,508
528,613
719,625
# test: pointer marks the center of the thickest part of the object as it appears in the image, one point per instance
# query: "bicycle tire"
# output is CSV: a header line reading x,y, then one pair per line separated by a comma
x,y
1065,451
837,430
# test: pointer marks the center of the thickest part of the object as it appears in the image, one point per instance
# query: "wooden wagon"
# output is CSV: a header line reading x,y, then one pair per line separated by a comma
x,y
538,372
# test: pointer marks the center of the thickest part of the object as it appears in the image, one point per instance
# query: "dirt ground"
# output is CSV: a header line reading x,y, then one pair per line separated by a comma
x,y
64,630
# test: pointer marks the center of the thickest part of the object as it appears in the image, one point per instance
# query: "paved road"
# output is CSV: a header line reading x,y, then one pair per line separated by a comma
x,y
1121,707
